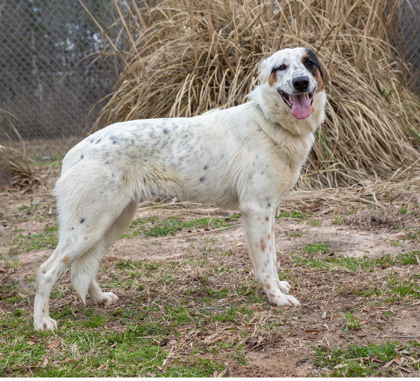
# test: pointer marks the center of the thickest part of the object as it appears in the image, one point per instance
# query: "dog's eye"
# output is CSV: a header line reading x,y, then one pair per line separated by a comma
x,y
309,63
282,67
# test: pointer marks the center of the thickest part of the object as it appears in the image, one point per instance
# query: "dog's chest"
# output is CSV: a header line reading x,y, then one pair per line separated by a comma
x,y
285,160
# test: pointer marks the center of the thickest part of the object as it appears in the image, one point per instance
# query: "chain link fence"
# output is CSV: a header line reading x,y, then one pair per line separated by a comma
x,y
52,79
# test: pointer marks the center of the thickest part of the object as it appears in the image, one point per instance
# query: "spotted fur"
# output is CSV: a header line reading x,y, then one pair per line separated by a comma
x,y
245,158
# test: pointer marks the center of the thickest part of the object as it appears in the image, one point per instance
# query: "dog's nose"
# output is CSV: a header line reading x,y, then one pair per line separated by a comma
x,y
301,83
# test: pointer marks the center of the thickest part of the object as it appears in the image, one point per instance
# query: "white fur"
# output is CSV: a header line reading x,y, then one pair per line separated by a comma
x,y
246,158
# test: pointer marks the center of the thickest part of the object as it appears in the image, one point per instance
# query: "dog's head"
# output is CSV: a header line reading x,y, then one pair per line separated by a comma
x,y
294,78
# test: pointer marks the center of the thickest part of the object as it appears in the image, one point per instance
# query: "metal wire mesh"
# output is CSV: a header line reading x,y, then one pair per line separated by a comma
x,y
50,77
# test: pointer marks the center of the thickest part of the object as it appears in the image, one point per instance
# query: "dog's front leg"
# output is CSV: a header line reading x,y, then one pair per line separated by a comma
x,y
258,226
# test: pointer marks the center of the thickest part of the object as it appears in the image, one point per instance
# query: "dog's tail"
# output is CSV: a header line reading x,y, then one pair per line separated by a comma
x,y
84,269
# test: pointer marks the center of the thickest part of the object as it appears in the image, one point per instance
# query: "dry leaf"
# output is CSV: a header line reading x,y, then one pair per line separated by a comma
x,y
53,344
45,363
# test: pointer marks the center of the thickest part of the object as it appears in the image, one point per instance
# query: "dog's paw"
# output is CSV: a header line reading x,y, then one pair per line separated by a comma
x,y
108,298
283,300
45,324
284,286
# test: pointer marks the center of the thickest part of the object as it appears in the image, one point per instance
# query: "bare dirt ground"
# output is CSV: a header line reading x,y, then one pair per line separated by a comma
x,y
327,287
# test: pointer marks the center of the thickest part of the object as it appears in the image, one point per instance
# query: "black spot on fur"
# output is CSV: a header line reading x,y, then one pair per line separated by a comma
x,y
81,156
82,220
202,179
98,141
206,167
165,131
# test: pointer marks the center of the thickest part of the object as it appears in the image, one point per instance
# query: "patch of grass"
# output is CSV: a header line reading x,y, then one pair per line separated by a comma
x,y
314,223
37,241
322,248
366,264
352,323
150,227
393,290
356,361
295,234
294,214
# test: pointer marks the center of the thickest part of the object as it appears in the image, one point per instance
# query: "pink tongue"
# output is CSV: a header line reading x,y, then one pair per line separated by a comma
x,y
301,109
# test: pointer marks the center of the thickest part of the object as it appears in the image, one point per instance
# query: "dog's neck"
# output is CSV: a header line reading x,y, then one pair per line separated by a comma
x,y
267,100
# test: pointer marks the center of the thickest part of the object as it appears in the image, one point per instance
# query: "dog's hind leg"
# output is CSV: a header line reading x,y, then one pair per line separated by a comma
x,y
112,234
81,243
258,226
67,251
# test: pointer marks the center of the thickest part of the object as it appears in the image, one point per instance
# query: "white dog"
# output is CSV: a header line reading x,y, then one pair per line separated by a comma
x,y
245,157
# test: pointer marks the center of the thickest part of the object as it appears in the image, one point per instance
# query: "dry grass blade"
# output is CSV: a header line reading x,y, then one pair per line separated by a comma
x,y
189,57
15,169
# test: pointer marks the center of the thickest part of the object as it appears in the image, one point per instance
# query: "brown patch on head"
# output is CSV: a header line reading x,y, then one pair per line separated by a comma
x,y
263,247
267,286
65,259
272,78
319,81
266,218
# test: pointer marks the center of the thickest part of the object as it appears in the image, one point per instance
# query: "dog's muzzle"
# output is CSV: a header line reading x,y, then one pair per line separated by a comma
x,y
300,104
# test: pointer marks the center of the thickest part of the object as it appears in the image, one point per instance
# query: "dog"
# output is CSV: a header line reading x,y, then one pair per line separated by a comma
x,y
245,158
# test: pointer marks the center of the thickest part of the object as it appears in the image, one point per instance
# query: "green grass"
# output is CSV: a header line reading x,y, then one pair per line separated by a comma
x,y
322,248
151,227
36,241
323,261
352,323
87,343
393,290
358,360
294,214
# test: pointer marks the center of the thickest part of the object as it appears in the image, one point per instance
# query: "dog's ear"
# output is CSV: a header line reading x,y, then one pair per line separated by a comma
x,y
263,71
323,72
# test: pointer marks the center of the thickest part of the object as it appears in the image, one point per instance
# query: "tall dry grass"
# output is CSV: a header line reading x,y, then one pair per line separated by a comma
x,y
15,167
184,57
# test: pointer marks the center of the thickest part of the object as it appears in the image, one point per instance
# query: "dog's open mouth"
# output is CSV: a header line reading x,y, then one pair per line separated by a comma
x,y
300,104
